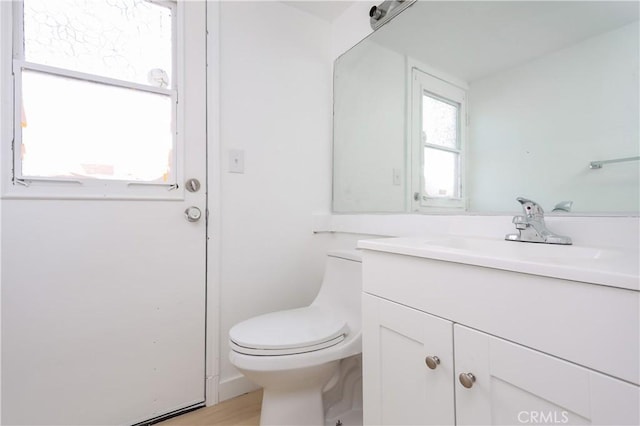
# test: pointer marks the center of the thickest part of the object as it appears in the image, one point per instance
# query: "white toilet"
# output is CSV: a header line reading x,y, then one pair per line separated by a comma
x,y
294,354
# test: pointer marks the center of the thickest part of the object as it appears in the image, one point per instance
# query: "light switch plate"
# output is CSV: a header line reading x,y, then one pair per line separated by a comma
x,y
236,161
397,177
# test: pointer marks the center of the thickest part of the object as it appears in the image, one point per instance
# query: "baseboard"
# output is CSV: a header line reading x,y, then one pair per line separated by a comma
x,y
235,386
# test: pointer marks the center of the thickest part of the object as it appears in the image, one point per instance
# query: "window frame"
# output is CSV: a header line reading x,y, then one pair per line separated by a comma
x,y
16,185
452,93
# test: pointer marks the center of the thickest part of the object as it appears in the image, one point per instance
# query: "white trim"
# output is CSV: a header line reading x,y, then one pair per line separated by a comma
x,y
434,72
93,78
6,92
214,195
193,101
236,386
17,44
211,390
61,194
6,108
180,39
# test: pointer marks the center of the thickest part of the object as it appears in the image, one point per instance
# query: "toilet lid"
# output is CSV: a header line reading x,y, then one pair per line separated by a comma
x,y
286,332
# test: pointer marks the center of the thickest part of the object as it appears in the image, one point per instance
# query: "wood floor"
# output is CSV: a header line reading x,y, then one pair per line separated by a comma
x,y
243,410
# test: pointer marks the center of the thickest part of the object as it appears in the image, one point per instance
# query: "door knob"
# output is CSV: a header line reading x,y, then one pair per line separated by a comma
x,y
193,214
467,380
432,361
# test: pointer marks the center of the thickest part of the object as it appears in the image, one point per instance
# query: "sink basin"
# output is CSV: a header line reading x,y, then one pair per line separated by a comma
x,y
596,265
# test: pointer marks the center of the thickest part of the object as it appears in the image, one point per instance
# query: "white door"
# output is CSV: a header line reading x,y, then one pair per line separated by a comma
x,y
516,385
407,365
103,279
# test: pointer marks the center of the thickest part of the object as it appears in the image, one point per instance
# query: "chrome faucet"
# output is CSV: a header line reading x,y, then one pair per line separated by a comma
x,y
531,227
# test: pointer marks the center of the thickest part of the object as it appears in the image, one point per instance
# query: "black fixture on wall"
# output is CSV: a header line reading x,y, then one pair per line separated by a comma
x,y
386,11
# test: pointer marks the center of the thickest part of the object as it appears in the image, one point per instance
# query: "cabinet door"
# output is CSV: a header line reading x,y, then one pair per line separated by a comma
x,y
516,385
399,387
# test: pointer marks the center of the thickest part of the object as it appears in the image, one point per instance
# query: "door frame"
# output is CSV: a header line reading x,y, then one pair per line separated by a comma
x,y
214,224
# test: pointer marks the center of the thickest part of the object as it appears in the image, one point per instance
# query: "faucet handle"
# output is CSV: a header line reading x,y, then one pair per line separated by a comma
x,y
530,208
563,206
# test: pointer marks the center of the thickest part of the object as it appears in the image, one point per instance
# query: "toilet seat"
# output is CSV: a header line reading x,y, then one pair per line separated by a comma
x,y
288,332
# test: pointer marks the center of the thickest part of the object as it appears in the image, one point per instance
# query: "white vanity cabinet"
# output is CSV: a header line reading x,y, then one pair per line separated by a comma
x,y
540,350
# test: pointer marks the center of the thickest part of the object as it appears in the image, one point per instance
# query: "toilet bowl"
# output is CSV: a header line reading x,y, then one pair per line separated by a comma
x,y
294,354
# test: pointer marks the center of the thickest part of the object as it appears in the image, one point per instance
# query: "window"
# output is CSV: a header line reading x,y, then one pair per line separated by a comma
x,y
438,131
95,98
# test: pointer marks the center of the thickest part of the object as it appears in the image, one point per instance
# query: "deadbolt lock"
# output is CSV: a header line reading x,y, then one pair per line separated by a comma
x,y
192,185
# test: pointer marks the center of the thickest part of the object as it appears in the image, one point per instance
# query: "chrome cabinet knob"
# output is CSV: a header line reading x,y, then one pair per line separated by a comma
x,y
432,361
193,214
467,380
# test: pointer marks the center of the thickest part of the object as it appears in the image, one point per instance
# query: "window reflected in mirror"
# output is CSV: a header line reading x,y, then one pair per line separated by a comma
x,y
438,140
441,157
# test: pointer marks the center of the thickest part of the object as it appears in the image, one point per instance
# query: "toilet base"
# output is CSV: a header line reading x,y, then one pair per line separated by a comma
x,y
343,400
293,397
303,407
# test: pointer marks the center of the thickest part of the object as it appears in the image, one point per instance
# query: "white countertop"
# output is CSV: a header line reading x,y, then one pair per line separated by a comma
x,y
608,266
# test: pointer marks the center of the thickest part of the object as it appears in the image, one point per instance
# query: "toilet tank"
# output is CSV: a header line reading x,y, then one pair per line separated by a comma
x,y
341,289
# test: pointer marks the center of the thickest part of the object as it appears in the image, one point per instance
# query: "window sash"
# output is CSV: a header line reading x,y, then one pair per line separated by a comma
x,y
19,177
115,186
457,184
18,46
457,106
19,65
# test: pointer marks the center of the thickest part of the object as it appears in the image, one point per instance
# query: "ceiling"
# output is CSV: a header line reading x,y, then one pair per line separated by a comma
x,y
472,39
326,10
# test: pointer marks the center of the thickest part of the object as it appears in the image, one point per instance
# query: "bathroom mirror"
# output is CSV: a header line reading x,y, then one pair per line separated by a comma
x,y
547,88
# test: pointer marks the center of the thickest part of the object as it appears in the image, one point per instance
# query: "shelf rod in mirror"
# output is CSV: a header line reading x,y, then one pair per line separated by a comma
x,y
599,164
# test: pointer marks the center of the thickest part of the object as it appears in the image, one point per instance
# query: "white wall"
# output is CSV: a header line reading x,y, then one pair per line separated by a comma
x,y
549,115
350,27
275,105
